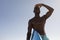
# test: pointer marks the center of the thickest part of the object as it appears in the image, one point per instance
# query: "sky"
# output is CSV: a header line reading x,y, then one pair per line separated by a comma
x,y
15,14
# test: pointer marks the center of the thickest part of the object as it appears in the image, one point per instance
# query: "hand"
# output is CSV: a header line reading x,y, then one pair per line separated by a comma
x,y
38,5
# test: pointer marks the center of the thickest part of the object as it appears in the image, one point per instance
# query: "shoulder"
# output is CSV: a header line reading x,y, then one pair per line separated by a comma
x,y
44,17
30,20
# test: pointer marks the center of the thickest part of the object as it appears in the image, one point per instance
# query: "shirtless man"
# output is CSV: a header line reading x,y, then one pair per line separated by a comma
x,y
37,22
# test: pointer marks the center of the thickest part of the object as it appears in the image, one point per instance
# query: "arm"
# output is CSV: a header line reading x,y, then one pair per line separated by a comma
x,y
29,30
48,14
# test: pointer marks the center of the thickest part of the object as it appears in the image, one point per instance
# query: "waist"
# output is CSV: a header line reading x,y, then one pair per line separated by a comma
x,y
41,32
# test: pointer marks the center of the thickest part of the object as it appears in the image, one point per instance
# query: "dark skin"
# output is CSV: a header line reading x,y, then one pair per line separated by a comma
x,y
37,22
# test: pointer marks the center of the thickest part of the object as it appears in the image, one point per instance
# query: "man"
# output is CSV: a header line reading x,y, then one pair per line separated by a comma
x,y
37,22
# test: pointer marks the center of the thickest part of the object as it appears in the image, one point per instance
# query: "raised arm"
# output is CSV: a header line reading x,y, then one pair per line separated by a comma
x,y
29,30
50,10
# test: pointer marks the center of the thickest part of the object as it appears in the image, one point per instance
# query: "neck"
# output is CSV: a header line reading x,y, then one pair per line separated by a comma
x,y
37,15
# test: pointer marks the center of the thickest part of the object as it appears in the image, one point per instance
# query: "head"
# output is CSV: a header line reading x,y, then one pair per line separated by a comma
x,y
36,10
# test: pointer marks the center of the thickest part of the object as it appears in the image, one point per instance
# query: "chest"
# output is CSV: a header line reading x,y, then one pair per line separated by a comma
x,y
38,21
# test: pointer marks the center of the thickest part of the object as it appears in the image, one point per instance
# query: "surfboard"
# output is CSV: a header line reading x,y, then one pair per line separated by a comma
x,y
35,35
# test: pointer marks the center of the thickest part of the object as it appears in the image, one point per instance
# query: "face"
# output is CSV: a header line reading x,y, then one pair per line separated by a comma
x,y
37,10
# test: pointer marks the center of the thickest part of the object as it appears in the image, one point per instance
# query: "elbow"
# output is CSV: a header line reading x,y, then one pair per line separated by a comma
x,y
51,10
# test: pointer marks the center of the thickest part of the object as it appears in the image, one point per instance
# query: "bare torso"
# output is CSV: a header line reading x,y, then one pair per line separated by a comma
x,y
38,25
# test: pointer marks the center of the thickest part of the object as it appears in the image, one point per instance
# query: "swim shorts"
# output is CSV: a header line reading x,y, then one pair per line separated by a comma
x,y
44,37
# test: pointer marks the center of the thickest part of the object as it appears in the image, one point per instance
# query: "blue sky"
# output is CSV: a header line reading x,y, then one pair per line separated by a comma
x,y
14,16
